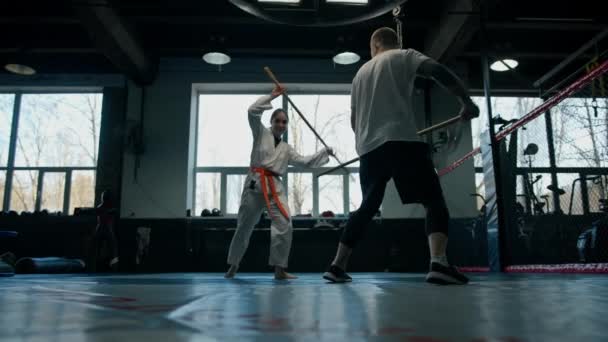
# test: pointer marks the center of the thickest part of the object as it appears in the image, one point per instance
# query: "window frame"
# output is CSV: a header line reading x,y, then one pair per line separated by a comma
x,y
10,167
261,89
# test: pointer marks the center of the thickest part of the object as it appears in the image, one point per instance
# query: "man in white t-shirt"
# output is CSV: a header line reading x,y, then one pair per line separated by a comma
x,y
382,118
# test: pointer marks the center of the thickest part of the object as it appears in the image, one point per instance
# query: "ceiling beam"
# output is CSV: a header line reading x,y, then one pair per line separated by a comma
x,y
457,24
239,20
196,20
112,36
48,50
35,20
546,26
539,55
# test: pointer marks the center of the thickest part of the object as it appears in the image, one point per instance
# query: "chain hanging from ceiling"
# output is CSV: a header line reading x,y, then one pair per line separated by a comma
x,y
397,15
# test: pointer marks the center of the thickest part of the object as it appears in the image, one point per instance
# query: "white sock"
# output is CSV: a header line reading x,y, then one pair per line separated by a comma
x,y
442,259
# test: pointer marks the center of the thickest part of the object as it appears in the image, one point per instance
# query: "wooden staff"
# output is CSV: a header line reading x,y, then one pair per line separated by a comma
x,y
439,125
421,132
276,81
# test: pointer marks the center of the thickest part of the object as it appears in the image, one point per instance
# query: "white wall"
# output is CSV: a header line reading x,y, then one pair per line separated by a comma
x,y
160,188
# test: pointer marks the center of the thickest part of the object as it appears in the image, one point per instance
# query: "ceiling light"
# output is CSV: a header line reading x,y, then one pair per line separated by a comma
x,y
291,2
347,2
20,69
504,65
346,57
216,58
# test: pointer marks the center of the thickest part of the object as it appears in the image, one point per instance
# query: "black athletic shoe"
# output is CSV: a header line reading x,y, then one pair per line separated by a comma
x,y
445,275
337,275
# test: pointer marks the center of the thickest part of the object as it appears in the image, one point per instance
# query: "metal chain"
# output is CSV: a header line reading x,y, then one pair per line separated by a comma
x,y
396,16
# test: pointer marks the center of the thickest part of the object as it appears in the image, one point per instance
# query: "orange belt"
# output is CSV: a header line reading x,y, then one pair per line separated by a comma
x,y
266,174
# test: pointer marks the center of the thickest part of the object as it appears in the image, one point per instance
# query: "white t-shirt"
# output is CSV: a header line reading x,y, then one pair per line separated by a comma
x,y
381,99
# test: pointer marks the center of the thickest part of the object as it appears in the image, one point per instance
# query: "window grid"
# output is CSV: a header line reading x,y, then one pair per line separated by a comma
x,y
10,169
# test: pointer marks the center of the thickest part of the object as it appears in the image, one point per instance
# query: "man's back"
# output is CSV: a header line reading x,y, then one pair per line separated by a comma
x,y
381,99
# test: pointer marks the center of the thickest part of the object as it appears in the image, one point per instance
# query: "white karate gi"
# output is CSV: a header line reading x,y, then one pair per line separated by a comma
x,y
272,161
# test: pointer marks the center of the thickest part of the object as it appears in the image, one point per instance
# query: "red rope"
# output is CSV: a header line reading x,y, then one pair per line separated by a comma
x,y
559,268
459,162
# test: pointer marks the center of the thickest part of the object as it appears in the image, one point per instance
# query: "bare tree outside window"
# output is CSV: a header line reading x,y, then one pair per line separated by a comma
x,y
330,116
580,138
53,191
82,193
514,108
225,141
23,190
581,132
207,191
234,189
56,130
330,194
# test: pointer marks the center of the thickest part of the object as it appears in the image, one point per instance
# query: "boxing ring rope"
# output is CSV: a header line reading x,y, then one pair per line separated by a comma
x,y
421,132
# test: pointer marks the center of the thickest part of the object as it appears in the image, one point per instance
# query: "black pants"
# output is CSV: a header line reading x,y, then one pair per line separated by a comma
x,y
410,166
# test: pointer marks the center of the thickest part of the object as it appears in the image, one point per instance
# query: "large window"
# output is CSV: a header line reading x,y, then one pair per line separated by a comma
x,y
224,149
224,136
55,150
224,143
579,140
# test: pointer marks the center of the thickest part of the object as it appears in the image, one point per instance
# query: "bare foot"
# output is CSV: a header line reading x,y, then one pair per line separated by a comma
x,y
231,272
280,274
